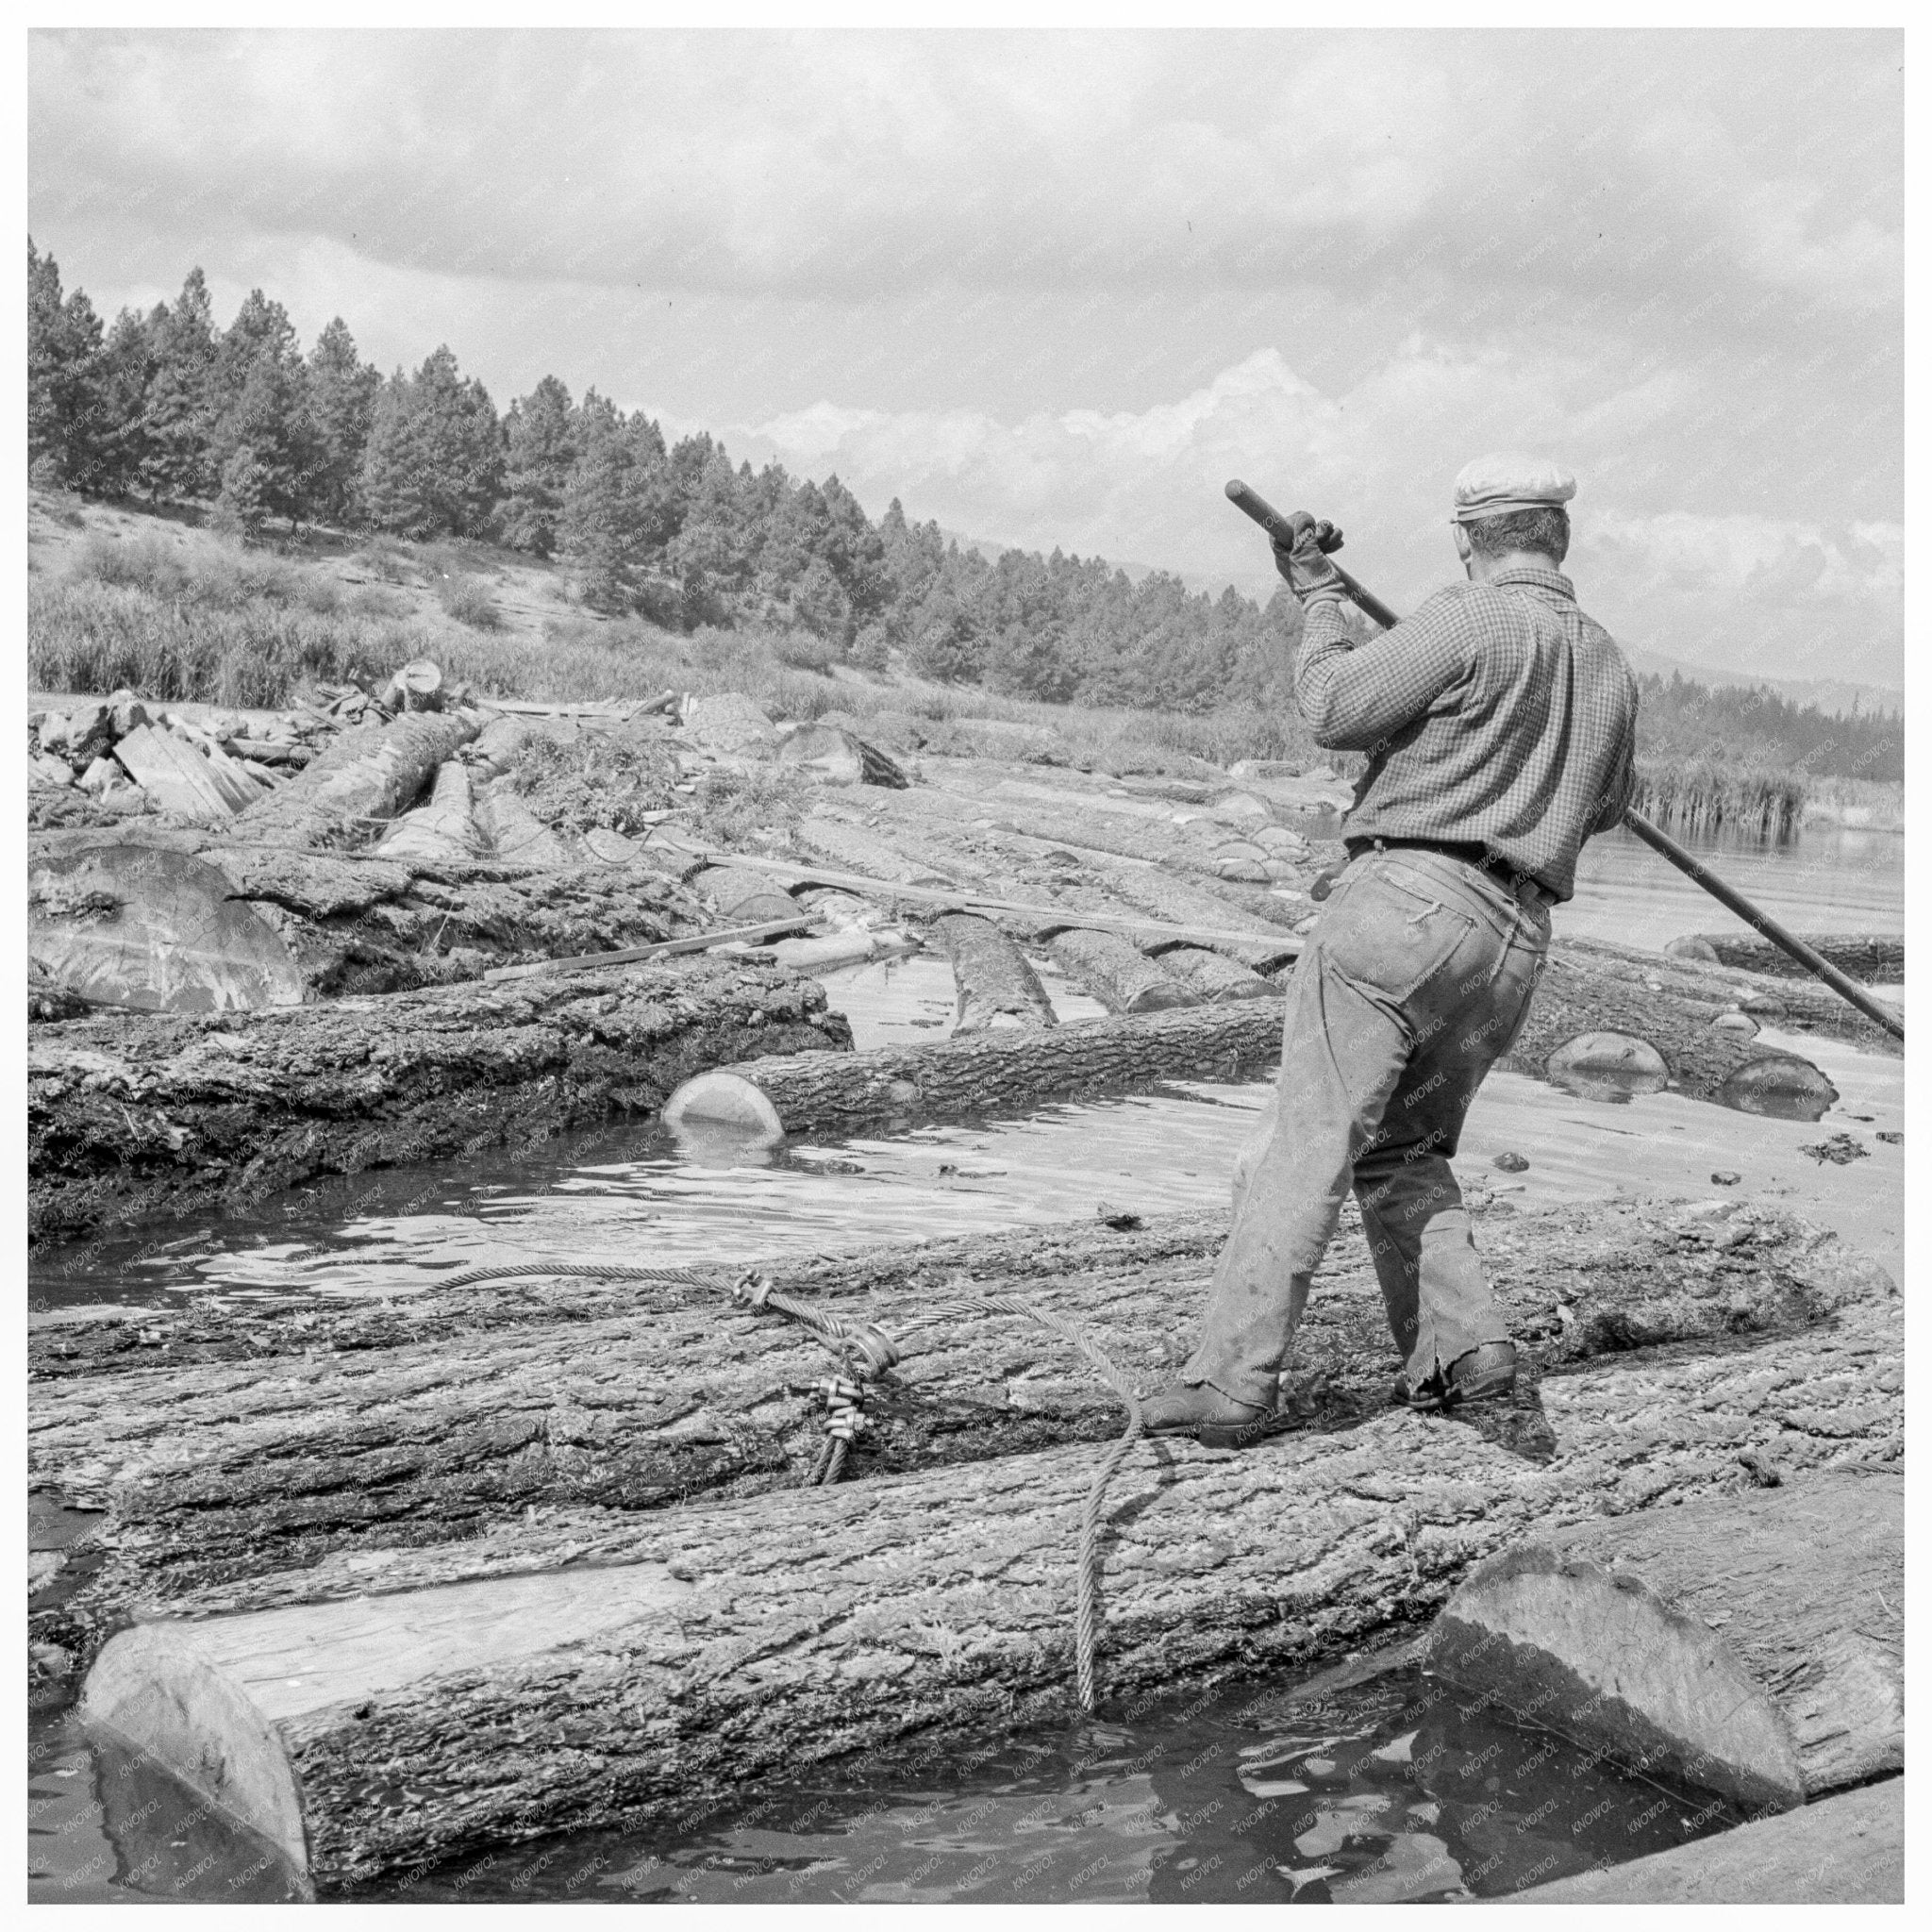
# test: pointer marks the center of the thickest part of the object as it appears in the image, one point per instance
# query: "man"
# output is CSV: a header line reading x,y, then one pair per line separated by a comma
x,y
1500,725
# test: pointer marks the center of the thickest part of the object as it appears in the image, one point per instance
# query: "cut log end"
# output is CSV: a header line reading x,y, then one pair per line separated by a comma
x,y
1596,1654
155,1691
724,1100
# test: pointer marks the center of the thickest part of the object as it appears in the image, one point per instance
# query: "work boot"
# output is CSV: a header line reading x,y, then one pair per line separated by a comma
x,y
1201,1411
1480,1375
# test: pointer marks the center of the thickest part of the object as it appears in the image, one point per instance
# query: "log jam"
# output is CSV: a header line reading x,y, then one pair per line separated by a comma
x,y
133,1115
595,1667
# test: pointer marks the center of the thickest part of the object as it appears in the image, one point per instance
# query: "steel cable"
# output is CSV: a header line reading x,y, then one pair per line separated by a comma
x,y
878,1353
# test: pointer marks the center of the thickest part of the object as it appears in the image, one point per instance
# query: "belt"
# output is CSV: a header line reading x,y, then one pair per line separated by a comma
x,y
1465,851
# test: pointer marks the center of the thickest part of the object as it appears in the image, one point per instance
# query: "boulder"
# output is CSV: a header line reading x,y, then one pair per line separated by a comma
x,y
837,757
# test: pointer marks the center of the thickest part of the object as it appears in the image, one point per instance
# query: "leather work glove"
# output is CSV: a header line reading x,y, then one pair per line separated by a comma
x,y
1306,567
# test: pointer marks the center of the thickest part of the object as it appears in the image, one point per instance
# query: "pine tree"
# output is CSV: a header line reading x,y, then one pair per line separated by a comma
x,y
123,452
175,424
618,504
244,504
341,390
541,446
258,401
433,465
67,392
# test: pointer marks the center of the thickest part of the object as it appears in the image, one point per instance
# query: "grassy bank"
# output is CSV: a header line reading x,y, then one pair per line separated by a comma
x,y
176,614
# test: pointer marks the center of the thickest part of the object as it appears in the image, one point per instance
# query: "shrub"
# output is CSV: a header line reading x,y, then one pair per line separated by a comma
x,y
373,600
577,786
145,563
321,594
801,651
469,602
732,804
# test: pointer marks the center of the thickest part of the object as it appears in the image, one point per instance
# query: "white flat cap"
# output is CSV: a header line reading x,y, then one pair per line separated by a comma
x,y
1493,486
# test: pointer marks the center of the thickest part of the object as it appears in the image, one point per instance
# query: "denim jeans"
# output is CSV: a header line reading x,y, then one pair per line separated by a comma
x,y
1417,980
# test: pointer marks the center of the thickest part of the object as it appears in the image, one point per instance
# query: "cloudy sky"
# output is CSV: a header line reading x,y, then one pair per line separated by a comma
x,y
1057,288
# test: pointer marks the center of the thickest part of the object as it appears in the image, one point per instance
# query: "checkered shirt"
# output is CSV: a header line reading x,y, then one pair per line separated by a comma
x,y
1499,715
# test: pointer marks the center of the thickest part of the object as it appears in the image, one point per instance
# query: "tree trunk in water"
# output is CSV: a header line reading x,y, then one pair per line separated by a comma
x,y
1118,974
138,1114
1752,1645
365,777
250,1444
1002,1071
590,1666
991,974
1879,959
1212,978
1670,1005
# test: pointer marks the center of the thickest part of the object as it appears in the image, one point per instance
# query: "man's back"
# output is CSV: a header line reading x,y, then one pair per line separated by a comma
x,y
1499,715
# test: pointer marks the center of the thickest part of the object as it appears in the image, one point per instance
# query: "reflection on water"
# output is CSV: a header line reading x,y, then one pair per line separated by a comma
x,y
1388,1791
1828,880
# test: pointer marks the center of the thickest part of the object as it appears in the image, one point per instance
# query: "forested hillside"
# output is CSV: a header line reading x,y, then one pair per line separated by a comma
x,y
169,407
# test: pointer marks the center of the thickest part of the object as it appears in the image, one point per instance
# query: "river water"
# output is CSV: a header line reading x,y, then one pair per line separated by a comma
x,y
1148,1810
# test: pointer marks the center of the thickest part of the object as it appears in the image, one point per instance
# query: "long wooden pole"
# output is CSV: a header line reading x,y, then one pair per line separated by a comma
x,y
1283,530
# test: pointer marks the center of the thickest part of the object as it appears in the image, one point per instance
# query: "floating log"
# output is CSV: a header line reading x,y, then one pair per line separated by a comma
x,y
1212,978
1122,978
991,975
254,1445
1749,1645
1001,1071
139,1115
1184,903
593,1666
1668,1004
1879,959
1849,1850
858,852
366,777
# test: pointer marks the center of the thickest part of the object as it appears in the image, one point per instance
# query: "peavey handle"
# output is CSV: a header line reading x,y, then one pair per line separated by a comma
x,y
1288,530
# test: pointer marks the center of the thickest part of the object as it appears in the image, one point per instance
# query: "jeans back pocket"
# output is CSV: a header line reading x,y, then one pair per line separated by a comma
x,y
1390,933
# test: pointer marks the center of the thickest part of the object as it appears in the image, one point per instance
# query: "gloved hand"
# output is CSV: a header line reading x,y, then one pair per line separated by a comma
x,y
1304,565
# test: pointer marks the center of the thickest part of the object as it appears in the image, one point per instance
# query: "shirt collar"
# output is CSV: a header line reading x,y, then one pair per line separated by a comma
x,y
1534,580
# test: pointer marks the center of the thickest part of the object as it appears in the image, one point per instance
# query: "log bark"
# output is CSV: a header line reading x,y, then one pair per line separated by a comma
x,y
170,919
365,777
1212,978
1876,958
142,1115
742,896
258,1444
515,832
443,828
1589,988
1003,1071
592,1667
1751,1645
1844,1851
991,975
1118,974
